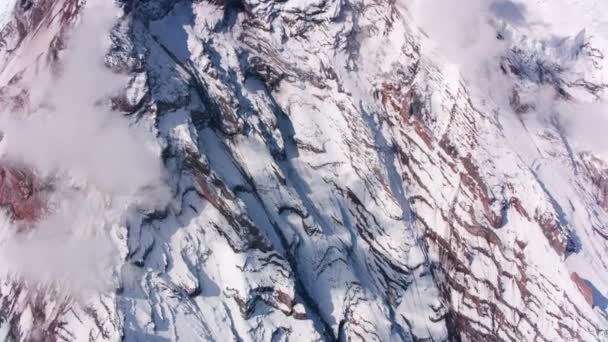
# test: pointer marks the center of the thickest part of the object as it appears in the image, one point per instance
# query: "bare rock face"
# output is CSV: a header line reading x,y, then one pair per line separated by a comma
x,y
331,182
596,170
583,287
20,192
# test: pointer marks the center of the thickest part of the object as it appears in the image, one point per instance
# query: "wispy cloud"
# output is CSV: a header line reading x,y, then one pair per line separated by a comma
x,y
475,34
461,31
103,166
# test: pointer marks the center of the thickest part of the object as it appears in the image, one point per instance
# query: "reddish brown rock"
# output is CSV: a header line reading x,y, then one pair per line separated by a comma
x,y
583,287
20,193
553,232
596,171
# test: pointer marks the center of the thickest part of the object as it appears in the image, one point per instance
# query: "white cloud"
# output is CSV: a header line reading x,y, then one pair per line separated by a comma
x,y
461,31
464,32
586,124
102,165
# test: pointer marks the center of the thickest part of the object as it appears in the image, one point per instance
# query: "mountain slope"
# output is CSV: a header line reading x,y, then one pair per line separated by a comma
x,y
332,178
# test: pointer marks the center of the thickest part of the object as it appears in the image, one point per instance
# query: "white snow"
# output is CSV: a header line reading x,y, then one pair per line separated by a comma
x,y
6,10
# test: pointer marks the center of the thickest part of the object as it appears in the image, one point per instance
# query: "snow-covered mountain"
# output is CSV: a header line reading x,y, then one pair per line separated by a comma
x,y
334,170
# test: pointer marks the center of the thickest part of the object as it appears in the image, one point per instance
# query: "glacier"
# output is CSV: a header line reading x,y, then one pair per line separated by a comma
x,y
303,170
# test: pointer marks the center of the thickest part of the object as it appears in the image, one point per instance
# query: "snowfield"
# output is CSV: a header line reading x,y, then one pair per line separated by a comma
x,y
6,10
304,170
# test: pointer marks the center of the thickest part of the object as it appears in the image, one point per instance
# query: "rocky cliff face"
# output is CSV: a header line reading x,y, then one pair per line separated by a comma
x,y
331,181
